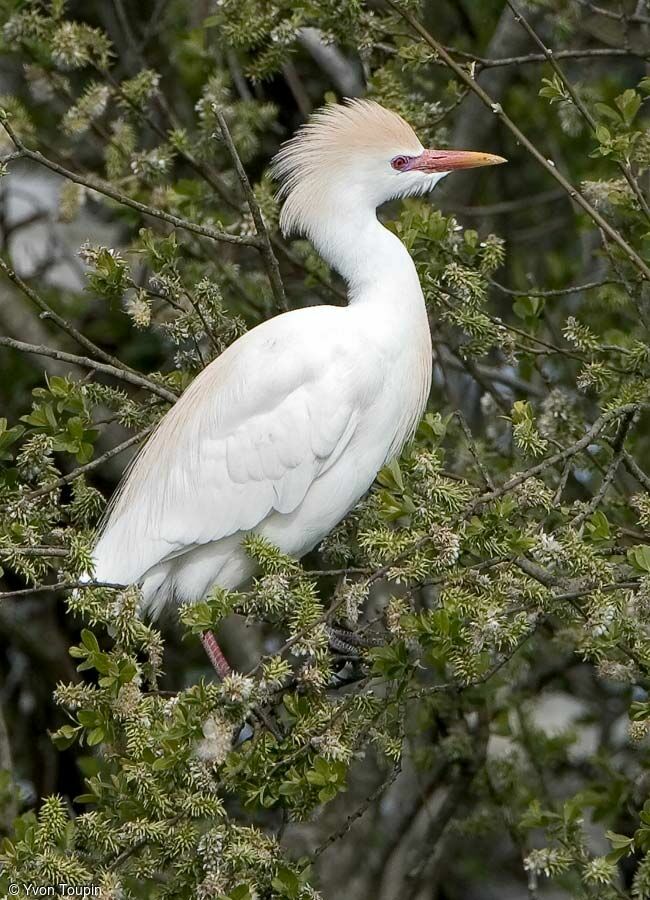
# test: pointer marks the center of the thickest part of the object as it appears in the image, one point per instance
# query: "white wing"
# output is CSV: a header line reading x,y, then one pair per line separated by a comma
x,y
249,436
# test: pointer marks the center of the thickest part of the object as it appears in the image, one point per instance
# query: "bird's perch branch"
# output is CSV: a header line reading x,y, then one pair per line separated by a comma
x,y
61,586
270,259
500,113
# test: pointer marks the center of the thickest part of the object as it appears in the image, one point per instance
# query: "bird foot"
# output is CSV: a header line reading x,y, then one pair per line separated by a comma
x,y
344,641
215,654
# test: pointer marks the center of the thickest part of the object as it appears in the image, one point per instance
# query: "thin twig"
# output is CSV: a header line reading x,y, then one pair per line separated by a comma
x,y
264,241
469,437
560,456
499,112
61,586
618,445
108,191
557,292
564,477
483,62
577,100
123,374
594,53
358,813
635,18
81,470
635,469
48,313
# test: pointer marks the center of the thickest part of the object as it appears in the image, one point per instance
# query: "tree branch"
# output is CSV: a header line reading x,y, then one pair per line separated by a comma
x,y
105,189
358,813
618,445
264,241
61,586
82,470
577,101
123,374
48,313
499,112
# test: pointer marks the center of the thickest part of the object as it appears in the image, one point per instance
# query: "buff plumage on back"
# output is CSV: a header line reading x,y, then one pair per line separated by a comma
x,y
319,154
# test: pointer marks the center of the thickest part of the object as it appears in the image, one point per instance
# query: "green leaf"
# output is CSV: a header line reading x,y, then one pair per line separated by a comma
x,y
391,476
89,641
621,846
96,736
628,103
65,736
392,661
639,557
607,112
527,307
241,892
553,89
598,526
287,883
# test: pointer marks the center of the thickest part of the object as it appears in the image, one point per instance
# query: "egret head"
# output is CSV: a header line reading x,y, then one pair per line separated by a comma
x,y
361,153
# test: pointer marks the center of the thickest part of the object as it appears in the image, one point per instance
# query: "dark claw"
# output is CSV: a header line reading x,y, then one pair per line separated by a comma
x,y
348,640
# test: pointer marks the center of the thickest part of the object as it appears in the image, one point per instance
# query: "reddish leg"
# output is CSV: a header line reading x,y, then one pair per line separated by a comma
x,y
215,654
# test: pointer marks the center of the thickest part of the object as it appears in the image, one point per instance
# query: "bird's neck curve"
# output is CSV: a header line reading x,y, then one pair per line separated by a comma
x,y
373,261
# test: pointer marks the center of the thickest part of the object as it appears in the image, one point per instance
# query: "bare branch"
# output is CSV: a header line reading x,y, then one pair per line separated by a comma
x,y
635,469
61,586
499,112
108,191
83,470
568,452
577,101
264,241
558,292
358,813
634,18
123,374
48,313
591,54
618,445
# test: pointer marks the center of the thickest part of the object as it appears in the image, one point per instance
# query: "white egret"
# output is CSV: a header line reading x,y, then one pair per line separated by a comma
x,y
284,432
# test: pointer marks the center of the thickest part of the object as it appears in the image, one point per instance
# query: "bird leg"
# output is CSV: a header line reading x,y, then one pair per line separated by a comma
x,y
215,654
222,667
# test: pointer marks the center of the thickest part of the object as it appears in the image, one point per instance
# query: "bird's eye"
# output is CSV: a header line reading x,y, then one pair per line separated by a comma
x,y
400,162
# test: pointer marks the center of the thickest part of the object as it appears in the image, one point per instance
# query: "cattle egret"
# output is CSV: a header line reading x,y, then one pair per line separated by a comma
x,y
284,432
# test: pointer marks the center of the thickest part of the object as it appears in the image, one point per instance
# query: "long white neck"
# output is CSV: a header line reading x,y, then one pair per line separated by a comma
x,y
373,261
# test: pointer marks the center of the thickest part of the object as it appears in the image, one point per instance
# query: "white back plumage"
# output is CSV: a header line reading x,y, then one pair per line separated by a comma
x,y
286,430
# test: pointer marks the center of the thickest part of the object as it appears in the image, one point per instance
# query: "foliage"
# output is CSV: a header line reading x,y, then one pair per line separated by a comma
x,y
503,560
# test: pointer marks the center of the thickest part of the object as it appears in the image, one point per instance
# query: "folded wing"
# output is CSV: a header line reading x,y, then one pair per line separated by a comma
x,y
249,437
